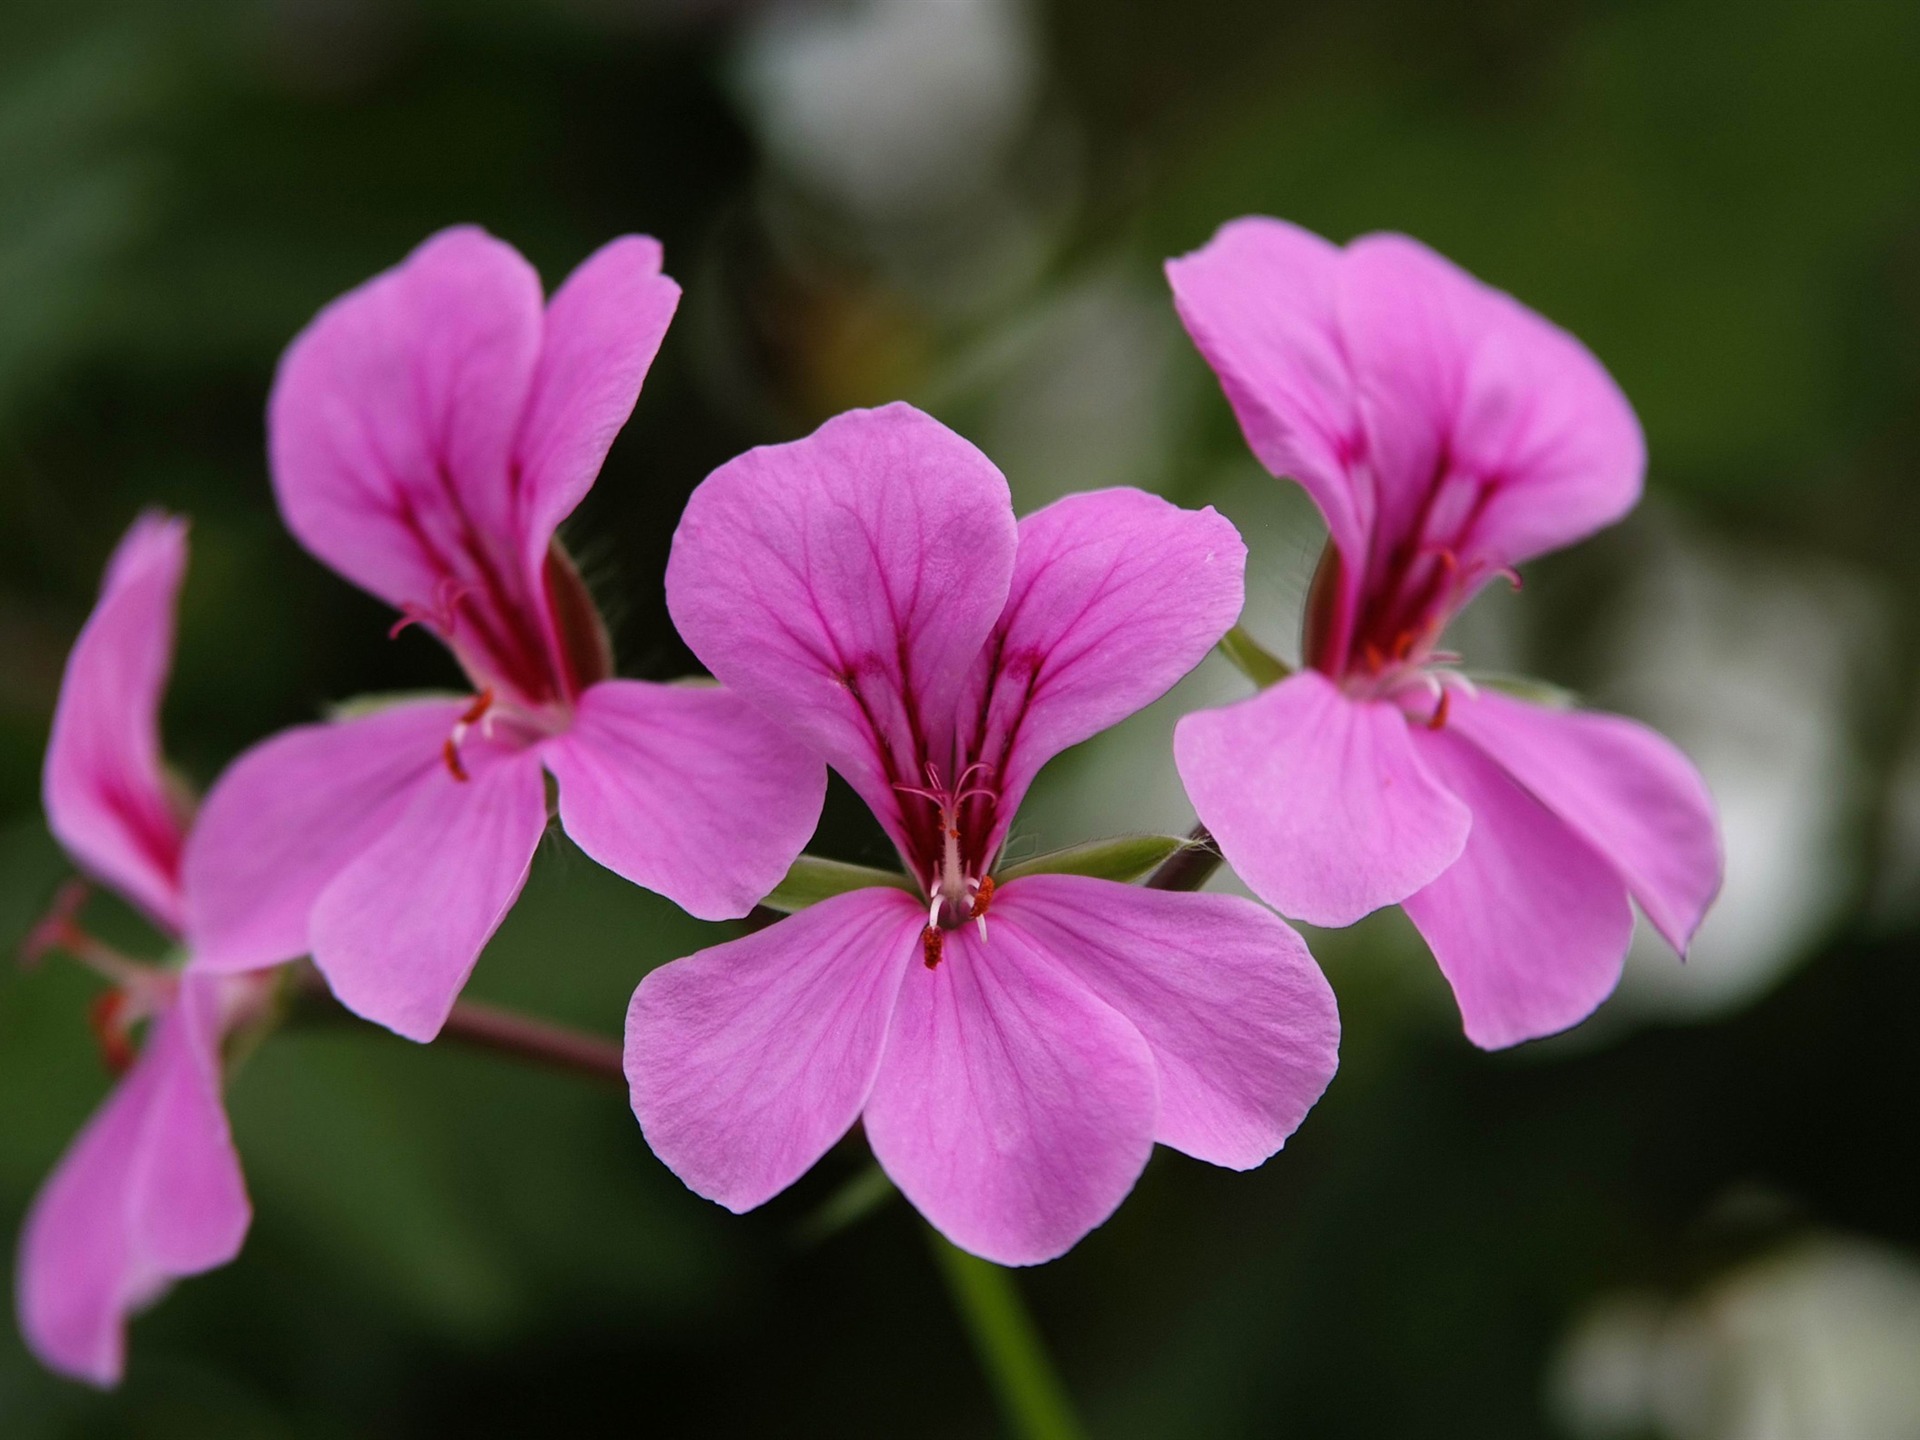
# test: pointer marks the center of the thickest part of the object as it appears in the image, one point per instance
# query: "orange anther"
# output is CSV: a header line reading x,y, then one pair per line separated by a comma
x,y
982,898
450,752
932,944
1438,719
105,1015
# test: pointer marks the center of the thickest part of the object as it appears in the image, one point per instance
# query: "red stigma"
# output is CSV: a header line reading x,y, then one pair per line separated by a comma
x,y
105,1016
1438,719
932,945
982,898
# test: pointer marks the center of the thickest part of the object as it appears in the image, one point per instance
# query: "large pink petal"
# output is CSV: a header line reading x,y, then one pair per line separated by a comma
x,y
391,430
1013,1107
1261,301
398,931
687,790
845,583
1493,432
748,1060
150,1191
1242,1024
1319,802
289,815
1115,596
1530,925
1627,791
107,794
603,327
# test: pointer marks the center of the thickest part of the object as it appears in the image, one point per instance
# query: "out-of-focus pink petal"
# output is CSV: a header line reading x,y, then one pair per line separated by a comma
x,y
1115,596
603,327
1627,791
289,815
397,931
845,582
1486,421
1261,301
1013,1107
687,790
150,1191
1242,1024
1318,801
1530,925
105,785
748,1060
391,430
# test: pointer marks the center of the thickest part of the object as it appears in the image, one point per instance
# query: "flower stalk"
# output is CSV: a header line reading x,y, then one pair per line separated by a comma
x,y
1008,1343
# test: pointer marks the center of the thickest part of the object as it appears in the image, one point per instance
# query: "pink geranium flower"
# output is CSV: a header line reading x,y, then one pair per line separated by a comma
x,y
429,431
1447,434
151,1189
1014,1049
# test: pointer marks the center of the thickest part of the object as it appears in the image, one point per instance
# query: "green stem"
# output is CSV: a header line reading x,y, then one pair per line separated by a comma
x,y
1188,868
1008,1343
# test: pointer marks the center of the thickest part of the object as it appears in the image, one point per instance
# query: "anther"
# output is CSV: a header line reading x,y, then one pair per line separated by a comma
x,y
932,944
1438,719
107,1016
472,715
982,898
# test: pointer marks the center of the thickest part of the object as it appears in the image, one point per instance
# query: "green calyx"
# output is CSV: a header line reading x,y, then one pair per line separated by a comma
x,y
1252,659
812,880
1124,858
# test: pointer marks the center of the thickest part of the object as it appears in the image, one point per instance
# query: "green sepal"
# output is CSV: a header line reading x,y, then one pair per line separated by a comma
x,y
358,707
812,880
1525,687
1124,858
1252,659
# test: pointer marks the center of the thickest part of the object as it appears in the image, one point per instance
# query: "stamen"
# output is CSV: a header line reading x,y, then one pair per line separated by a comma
x,y
932,943
1438,719
112,1028
59,928
450,750
982,898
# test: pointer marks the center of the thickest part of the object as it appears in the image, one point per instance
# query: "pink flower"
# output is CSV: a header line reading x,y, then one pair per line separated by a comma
x,y
151,1189
429,431
1014,1049
1447,434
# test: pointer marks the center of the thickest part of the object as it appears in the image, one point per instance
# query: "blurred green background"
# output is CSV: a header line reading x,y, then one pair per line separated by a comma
x,y
1696,1217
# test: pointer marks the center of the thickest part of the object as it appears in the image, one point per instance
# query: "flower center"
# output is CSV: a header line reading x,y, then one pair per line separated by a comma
x,y
958,889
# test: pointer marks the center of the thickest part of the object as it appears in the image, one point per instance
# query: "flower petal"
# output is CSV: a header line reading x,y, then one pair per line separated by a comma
x,y
1242,1024
397,932
1531,924
1115,596
1627,791
291,814
1013,1107
1476,405
688,791
107,795
603,327
150,1191
845,583
1319,802
1261,301
391,428
747,1061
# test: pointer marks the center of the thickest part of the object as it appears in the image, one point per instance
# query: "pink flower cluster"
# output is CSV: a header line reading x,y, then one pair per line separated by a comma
x,y
1013,1044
